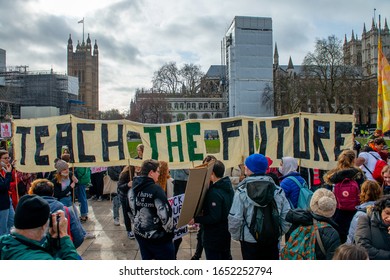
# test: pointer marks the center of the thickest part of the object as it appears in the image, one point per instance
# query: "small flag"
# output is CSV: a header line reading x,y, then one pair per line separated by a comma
x,y
383,114
81,21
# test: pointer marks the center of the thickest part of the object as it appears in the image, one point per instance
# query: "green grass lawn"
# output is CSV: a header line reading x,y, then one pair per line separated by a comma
x,y
212,147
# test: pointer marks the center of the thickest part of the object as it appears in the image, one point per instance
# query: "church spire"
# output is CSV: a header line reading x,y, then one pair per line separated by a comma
x,y
276,56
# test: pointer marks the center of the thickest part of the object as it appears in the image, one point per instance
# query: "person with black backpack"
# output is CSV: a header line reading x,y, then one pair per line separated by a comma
x,y
257,216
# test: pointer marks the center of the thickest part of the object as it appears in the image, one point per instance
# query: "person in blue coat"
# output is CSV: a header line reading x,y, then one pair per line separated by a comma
x,y
45,189
288,168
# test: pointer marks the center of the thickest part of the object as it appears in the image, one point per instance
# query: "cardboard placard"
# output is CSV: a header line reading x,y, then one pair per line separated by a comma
x,y
197,186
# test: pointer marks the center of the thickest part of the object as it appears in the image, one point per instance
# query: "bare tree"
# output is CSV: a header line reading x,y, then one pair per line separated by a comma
x,y
191,77
325,70
112,114
148,107
167,79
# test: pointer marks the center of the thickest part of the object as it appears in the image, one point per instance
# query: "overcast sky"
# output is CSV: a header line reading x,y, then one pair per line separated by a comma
x,y
136,37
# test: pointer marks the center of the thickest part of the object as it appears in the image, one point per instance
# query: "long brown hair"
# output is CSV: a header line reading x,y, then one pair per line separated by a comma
x,y
164,175
370,191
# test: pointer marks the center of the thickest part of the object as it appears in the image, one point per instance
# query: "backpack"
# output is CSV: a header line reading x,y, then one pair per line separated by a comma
x,y
347,194
305,194
265,223
377,172
69,220
302,242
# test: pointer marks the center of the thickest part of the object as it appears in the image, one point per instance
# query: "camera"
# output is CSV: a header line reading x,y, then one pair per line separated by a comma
x,y
50,219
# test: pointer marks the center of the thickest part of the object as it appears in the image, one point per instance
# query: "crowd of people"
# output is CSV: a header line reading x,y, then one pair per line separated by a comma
x,y
256,204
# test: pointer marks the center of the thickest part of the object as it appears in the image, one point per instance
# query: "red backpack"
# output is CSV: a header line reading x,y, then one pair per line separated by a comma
x,y
347,194
377,172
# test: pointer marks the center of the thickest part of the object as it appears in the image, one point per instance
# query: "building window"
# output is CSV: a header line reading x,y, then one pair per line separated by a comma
x,y
180,117
181,106
212,105
217,106
200,106
206,105
194,106
188,105
169,106
176,106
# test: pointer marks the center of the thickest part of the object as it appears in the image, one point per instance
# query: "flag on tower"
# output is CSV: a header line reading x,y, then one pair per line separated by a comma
x,y
81,21
383,114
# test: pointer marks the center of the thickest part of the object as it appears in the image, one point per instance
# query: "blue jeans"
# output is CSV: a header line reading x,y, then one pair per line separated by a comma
x,y
67,201
7,219
82,197
155,251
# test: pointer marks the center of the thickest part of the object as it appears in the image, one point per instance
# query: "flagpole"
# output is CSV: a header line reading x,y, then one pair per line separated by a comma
x,y
83,30
379,119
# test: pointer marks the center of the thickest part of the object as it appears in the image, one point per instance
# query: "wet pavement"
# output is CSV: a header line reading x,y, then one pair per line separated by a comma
x,y
112,243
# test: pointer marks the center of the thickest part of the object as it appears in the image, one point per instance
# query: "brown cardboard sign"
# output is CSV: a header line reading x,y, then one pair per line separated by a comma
x,y
197,186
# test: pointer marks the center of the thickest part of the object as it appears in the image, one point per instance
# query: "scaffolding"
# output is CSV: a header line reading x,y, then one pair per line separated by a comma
x,y
23,88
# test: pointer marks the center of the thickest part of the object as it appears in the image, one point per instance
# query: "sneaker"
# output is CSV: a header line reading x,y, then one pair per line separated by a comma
x,y
90,235
100,198
116,222
94,197
130,235
83,219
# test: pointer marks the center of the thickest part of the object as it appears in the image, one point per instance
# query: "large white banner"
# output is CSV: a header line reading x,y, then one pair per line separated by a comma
x,y
315,139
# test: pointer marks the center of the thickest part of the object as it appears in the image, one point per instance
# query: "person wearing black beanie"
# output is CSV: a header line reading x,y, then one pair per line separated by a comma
x,y
29,239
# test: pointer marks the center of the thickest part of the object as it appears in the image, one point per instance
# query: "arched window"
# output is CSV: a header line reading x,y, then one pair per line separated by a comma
x,y
193,116
180,117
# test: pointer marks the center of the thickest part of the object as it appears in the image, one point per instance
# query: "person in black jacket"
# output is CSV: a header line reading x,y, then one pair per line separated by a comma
x,y
214,219
373,230
153,224
322,208
124,179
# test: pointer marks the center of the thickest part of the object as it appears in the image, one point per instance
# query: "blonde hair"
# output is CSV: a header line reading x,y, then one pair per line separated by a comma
x,y
345,160
370,191
386,169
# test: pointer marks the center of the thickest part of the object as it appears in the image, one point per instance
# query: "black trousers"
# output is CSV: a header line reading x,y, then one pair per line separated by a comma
x,y
256,251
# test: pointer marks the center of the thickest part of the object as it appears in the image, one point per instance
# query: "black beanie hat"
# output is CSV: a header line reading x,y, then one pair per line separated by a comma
x,y
32,211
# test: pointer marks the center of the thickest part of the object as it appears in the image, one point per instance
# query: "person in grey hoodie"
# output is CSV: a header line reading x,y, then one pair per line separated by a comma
x,y
369,193
253,191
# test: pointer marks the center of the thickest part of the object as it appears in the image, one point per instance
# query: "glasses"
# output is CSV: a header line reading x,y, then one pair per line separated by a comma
x,y
5,158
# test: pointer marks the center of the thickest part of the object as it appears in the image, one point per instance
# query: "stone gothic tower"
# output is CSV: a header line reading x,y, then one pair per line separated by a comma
x,y
84,64
364,52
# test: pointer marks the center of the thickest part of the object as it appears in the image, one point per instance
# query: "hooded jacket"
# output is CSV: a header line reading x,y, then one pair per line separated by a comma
x,y
329,236
361,210
290,188
77,230
244,202
350,173
214,219
372,234
152,212
17,247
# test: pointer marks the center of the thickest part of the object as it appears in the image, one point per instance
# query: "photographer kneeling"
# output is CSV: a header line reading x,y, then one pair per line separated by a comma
x,y
33,238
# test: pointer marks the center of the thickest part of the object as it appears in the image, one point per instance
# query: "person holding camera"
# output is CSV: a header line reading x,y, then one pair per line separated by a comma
x,y
33,238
